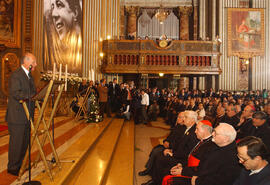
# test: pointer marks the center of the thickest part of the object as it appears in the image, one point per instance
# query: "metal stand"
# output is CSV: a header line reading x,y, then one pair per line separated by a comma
x,y
29,138
53,158
35,136
83,107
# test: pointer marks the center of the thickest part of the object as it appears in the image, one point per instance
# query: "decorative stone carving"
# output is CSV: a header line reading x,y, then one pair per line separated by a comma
x,y
185,12
122,22
10,63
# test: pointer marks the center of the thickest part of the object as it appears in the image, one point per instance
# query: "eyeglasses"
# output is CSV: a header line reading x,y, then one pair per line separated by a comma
x,y
214,133
241,160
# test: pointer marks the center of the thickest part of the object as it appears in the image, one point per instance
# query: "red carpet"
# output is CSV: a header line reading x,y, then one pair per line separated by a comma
x,y
3,127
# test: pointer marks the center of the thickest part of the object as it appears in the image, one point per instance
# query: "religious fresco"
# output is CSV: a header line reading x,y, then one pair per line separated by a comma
x,y
10,22
63,34
245,31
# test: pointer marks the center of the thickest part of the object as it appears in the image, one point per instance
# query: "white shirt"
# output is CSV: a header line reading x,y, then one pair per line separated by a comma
x,y
255,171
201,113
145,99
126,110
26,71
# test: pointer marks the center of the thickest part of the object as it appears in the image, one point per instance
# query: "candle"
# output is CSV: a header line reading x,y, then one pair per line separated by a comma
x,y
89,75
93,74
54,70
66,77
60,72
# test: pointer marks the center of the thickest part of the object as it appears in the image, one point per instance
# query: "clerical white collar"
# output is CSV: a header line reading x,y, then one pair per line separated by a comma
x,y
256,171
25,70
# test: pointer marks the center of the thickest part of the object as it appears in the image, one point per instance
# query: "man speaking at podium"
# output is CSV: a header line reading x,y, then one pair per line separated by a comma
x,y
21,87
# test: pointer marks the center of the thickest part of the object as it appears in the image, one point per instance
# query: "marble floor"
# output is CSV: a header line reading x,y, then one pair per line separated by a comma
x,y
67,131
146,137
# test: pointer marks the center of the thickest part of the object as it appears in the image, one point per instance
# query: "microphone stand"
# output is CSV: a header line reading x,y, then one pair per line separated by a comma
x,y
29,138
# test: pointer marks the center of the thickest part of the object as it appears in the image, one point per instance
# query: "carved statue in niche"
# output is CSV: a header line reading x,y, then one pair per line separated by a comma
x,y
10,63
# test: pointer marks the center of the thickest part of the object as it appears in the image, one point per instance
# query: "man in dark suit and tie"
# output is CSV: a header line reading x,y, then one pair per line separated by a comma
x,y
21,87
114,95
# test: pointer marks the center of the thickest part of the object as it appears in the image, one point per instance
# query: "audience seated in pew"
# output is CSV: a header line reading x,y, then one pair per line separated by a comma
x,y
169,143
199,152
220,166
262,129
253,154
245,126
171,157
231,116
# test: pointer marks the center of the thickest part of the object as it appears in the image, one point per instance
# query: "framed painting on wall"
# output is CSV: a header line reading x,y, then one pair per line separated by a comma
x,y
245,32
10,23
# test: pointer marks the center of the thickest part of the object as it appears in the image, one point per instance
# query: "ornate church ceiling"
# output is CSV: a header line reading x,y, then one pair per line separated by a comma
x,y
157,3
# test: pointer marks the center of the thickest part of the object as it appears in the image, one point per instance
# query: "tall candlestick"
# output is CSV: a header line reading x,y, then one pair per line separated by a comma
x,y
66,77
60,72
54,70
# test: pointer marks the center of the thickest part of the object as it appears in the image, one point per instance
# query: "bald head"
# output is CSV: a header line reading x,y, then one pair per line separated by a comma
x,y
224,134
29,60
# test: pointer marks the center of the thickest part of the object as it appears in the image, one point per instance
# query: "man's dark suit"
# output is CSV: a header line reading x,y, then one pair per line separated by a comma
x,y
182,149
20,86
114,97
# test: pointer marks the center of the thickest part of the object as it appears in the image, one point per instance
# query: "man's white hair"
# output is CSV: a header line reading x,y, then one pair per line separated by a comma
x,y
192,114
227,130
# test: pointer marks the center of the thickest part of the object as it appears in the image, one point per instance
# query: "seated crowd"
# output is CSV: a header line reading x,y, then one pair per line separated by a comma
x,y
216,138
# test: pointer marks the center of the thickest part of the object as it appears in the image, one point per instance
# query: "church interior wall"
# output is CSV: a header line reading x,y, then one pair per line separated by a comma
x,y
259,66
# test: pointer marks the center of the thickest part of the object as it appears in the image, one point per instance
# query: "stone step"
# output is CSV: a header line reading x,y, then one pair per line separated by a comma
x,y
94,167
121,169
78,152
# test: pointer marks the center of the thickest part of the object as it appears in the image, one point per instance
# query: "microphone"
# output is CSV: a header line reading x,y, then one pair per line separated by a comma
x,y
30,68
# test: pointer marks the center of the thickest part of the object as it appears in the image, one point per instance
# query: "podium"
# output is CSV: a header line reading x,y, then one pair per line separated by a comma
x,y
41,101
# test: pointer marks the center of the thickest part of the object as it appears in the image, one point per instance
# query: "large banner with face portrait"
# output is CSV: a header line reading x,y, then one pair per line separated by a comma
x,y
63,34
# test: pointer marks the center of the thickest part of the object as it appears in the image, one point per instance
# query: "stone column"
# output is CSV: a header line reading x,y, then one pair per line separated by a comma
x,y
132,12
194,83
202,28
196,21
122,22
214,14
185,12
184,83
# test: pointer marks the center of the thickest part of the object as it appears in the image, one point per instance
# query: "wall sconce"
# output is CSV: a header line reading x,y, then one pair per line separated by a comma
x,y
101,54
161,74
108,37
244,64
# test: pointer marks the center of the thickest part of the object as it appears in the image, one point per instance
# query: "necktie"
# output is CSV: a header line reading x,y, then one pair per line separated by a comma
x,y
30,75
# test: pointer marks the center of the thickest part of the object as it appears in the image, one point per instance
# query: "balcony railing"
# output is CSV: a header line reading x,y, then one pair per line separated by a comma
x,y
145,56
